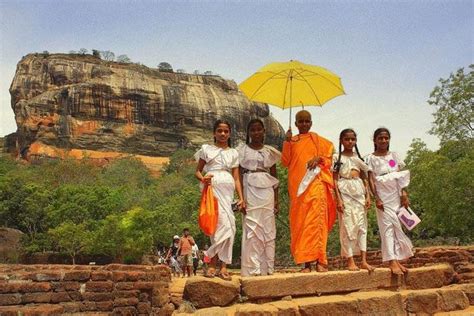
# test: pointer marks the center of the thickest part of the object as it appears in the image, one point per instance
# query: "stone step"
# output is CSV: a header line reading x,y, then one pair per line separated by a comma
x,y
43,309
465,312
32,310
453,298
203,292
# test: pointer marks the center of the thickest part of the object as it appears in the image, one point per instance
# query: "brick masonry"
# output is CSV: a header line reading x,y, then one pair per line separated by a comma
x,y
145,289
117,289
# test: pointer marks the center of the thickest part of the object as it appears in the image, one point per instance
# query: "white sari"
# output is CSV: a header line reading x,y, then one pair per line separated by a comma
x,y
219,163
389,181
353,222
258,231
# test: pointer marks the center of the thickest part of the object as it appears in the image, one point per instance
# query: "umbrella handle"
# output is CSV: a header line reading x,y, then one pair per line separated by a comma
x,y
289,121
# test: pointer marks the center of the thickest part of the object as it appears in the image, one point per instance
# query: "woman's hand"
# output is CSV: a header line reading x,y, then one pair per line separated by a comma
x,y
242,206
276,208
340,206
368,202
379,203
404,201
207,179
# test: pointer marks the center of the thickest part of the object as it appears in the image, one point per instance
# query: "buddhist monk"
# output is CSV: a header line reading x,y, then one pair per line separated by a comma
x,y
312,207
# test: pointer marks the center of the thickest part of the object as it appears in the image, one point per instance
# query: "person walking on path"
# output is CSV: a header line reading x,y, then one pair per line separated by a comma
x,y
195,256
172,257
186,242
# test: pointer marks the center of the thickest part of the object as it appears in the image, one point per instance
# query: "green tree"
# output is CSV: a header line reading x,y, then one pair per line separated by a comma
x,y
442,189
23,205
165,67
123,59
71,238
83,204
107,55
96,53
454,102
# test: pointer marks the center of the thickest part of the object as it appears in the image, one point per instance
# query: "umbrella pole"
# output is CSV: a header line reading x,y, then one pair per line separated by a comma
x,y
291,85
289,120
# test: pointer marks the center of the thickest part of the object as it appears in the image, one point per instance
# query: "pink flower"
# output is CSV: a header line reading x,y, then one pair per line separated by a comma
x,y
392,163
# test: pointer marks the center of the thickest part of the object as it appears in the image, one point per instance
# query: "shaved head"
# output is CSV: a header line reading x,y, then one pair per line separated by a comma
x,y
303,121
303,113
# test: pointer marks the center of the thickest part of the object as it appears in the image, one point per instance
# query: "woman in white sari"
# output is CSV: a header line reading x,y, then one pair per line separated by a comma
x,y
388,184
258,169
220,163
353,200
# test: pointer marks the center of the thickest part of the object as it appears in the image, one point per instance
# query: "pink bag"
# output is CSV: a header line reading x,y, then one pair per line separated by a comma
x,y
408,218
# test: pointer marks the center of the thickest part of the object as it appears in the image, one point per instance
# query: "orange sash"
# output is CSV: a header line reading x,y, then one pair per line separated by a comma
x,y
208,211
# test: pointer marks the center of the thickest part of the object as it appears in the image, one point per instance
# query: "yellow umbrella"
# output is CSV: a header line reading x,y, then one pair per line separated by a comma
x,y
291,84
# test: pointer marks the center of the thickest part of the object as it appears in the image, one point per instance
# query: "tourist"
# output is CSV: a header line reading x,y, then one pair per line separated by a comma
x,y
186,243
195,256
172,257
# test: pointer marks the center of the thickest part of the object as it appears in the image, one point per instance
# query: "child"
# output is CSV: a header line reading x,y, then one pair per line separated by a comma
x,y
388,184
221,164
353,200
258,167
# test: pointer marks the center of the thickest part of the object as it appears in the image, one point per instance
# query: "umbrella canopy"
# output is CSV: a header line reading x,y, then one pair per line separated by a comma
x,y
291,84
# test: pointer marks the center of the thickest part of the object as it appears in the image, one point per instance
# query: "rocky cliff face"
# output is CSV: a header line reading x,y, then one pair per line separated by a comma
x,y
81,102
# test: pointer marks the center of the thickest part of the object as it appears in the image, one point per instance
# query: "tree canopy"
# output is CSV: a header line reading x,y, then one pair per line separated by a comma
x,y
453,99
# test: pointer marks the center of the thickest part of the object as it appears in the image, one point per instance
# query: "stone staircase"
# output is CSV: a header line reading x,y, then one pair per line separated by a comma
x,y
423,291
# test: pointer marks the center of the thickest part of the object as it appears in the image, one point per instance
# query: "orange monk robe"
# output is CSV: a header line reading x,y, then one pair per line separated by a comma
x,y
313,213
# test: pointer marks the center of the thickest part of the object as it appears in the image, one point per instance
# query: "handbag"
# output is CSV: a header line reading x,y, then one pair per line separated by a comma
x,y
408,218
208,211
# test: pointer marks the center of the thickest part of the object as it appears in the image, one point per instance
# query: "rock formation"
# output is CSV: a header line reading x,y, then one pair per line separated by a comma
x,y
81,102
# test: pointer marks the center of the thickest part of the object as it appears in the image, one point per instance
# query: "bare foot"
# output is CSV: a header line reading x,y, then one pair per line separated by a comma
x,y
321,268
395,268
305,270
402,268
367,267
210,273
351,266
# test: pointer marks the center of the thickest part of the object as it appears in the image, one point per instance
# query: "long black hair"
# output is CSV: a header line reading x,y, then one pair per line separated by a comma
x,y
337,165
377,132
252,121
216,125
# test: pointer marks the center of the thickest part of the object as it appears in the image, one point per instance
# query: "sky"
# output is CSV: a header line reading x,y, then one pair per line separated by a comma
x,y
389,54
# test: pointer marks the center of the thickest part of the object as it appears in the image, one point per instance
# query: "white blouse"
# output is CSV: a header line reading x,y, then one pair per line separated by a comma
x,y
350,163
258,159
217,158
381,165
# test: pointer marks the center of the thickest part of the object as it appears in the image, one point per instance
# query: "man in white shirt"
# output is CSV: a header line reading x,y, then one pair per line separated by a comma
x,y
195,256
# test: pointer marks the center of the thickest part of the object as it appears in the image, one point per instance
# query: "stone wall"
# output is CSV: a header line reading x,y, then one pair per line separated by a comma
x,y
120,289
